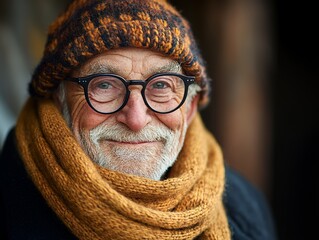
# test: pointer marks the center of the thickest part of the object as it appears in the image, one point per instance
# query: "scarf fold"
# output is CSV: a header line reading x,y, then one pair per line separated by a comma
x,y
97,203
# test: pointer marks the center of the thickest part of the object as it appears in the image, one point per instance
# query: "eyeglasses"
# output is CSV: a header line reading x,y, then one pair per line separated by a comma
x,y
109,93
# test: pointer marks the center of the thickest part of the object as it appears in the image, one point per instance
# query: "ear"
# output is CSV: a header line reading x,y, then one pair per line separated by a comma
x,y
192,109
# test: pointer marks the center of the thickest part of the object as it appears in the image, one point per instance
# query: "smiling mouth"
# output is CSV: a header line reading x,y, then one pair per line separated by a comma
x,y
132,142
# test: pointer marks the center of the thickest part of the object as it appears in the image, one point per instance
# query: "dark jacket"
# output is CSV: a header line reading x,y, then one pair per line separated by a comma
x,y
26,216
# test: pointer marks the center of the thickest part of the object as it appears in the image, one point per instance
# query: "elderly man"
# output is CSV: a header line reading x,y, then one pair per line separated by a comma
x,y
110,144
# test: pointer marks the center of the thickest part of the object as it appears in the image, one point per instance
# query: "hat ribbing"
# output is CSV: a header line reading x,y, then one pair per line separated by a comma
x,y
90,27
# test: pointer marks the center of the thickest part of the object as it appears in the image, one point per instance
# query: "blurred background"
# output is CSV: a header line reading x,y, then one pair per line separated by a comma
x,y
262,59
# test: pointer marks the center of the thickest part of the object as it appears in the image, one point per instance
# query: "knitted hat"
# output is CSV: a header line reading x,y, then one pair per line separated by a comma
x,y
90,27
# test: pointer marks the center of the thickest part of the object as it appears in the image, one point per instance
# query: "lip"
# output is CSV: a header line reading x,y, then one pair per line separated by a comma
x,y
132,143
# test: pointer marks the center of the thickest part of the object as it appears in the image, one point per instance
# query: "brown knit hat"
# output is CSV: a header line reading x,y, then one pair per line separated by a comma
x,y
90,27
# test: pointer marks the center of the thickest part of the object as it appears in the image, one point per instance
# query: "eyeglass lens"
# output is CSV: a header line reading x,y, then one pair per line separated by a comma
x,y
162,93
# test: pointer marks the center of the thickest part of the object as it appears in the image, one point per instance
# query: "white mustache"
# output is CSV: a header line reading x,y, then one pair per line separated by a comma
x,y
120,133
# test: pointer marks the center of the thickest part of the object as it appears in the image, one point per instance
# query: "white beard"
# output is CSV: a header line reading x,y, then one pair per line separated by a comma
x,y
149,162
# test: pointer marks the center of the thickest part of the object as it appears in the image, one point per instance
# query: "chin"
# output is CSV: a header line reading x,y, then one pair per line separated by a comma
x,y
148,167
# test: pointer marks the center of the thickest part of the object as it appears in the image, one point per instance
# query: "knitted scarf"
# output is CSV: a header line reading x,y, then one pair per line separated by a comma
x,y
97,203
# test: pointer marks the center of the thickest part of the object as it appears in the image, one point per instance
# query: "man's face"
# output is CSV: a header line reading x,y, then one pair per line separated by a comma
x,y
134,140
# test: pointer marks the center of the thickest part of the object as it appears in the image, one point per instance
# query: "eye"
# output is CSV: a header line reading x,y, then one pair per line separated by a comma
x,y
104,85
159,85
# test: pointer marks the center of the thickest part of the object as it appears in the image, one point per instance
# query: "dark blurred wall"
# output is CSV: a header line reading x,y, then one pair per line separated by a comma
x,y
295,113
23,28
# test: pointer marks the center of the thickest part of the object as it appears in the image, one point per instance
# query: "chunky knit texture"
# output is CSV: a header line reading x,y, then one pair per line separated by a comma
x,y
96,203
90,27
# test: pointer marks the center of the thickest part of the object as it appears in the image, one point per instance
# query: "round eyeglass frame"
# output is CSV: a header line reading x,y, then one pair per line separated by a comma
x,y
85,81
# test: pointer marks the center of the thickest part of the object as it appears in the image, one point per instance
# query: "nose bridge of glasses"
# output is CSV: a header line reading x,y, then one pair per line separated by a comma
x,y
136,82
132,83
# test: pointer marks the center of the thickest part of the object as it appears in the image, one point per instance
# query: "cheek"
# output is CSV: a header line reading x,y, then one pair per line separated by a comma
x,y
83,117
175,120
88,119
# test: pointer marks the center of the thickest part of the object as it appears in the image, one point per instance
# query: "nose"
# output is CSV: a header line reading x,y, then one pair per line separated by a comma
x,y
135,115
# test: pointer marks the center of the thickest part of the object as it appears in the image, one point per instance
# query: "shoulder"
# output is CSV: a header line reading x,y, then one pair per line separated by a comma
x,y
248,213
37,221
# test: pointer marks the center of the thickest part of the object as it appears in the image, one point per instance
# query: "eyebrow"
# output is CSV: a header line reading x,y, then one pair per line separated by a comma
x,y
171,67
98,67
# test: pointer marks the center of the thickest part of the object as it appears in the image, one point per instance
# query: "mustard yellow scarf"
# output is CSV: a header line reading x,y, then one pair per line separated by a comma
x,y
96,203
